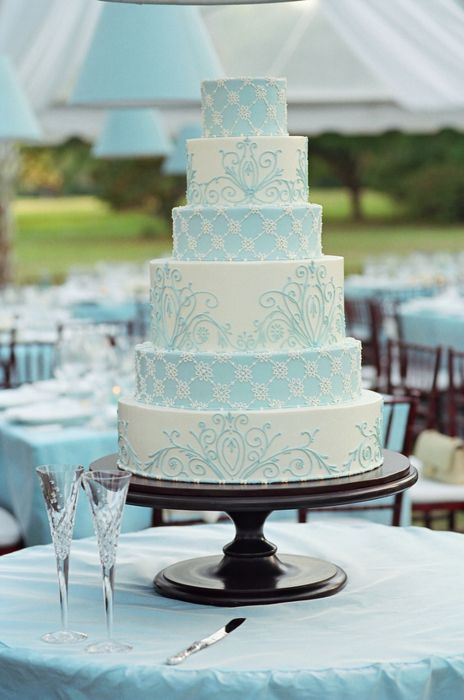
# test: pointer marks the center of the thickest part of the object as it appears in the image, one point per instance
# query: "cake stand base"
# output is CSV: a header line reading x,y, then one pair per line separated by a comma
x,y
250,572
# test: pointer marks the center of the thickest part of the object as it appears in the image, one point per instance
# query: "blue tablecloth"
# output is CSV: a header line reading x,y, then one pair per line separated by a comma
x,y
396,632
22,449
356,287
429,326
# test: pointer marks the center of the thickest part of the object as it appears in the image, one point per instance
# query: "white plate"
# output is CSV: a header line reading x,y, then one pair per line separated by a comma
x,y
53,412
10,398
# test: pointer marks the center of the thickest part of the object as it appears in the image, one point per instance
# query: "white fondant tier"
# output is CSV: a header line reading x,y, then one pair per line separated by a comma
x,y
252,232
259,170
264,305
248,380
244,107
254,447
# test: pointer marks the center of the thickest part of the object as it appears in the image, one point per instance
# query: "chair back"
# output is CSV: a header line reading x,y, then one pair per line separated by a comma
x,y
412,370
455,412
364,320
399,415
31,360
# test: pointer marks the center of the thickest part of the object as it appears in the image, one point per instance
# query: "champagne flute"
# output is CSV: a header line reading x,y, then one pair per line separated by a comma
x,y
107,492
60,488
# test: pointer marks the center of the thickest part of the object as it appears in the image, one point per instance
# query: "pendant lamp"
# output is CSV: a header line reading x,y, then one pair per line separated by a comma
x,y
17,121
176,164
132,133
141,56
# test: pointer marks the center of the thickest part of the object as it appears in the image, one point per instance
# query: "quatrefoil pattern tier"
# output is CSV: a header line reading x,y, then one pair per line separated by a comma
x,y
247,232
248,380
244,107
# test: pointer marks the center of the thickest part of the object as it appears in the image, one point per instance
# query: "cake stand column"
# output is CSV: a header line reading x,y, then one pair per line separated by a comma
x,y
250,572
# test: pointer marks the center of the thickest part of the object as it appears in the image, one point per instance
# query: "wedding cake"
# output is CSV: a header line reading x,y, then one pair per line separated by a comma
x,y
248,376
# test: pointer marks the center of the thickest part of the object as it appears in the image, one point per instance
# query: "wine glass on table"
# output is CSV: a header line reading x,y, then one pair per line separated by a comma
x,y
60,487
107,493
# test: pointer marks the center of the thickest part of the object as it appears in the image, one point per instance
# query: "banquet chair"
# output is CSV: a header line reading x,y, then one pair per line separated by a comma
x,y
6,359
431,499
364,321
412,370
455,413
30,360
398,420
10,534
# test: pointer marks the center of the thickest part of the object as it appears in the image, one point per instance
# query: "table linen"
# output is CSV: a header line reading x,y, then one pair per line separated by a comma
x,y
22,448
396,632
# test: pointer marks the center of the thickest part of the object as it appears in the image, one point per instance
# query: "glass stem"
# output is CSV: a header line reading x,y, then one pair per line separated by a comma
x,y
108,593
62,566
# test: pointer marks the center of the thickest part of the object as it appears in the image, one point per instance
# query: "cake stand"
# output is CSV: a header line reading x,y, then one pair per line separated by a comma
x,y
250,572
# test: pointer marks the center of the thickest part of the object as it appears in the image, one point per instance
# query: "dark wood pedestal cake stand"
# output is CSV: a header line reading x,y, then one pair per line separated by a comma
x,y
250,572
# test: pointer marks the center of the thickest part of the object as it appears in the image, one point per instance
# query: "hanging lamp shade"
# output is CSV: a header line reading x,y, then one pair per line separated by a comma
x,y
176,164
132,133
17,121
142,56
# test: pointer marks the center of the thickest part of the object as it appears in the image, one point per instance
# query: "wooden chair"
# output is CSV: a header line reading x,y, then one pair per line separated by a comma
x,y
455,413
6,359
398,421
30,361
431,499
10,535
364,321
412,370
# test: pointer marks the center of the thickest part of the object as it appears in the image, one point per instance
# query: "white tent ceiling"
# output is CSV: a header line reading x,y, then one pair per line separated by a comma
x,y
353,66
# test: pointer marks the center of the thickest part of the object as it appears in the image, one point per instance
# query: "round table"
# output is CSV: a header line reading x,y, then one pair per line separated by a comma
x,y
250,571
395,632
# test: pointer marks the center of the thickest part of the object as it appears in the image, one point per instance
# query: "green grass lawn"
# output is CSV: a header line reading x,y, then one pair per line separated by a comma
x,y
55,234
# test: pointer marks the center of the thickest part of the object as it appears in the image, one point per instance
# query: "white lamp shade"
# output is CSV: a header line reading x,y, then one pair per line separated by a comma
x,y
17,121
176,164
132,133
142,56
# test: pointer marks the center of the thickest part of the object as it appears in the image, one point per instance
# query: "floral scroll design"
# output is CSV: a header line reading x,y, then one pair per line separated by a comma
x,y
307,312
181,316
228,448
369,450
248,177
127,455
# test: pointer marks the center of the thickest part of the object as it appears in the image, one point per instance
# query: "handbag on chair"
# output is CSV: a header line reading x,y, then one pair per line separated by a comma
x,y
442,456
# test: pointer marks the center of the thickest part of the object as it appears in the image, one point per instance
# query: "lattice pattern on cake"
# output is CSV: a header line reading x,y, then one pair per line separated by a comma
x,y
244,107
247,233
248,380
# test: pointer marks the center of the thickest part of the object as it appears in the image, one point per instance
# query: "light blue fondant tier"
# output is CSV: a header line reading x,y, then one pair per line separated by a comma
x,y
238,171
244,107
248,380
247,232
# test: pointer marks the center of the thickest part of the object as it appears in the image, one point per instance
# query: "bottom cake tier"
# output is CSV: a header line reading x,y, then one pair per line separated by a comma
x,y
249,447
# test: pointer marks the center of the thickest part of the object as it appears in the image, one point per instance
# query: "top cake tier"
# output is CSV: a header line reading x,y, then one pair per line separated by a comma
x,y
244,107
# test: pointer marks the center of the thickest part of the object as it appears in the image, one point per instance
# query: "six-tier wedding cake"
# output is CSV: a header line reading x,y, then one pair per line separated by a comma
x,y
248,376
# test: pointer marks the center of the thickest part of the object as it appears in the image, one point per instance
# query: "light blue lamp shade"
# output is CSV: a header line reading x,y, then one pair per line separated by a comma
x,y
17,121
132,133
176,164
140,56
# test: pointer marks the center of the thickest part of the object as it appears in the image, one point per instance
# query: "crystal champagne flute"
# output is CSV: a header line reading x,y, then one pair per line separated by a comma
x,y
107,492
60,488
